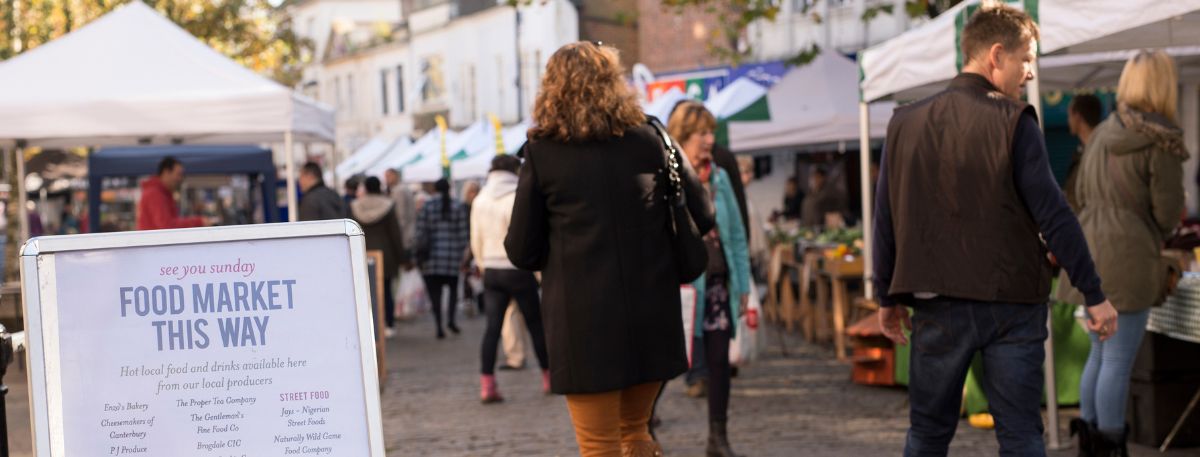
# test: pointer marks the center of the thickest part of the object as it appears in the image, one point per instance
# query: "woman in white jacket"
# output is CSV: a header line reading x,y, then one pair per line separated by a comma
x,y
502,281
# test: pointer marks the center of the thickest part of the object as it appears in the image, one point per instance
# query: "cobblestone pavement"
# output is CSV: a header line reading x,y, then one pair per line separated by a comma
x,y
799,405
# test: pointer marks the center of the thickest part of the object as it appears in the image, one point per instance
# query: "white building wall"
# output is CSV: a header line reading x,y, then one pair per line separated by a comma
x,y
840,28
478,61
315,19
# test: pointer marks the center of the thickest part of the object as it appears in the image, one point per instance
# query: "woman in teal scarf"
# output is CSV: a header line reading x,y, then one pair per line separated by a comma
x,y
724,287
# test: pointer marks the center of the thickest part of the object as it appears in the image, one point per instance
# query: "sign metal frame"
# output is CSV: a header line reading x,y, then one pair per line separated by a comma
x,y
40,299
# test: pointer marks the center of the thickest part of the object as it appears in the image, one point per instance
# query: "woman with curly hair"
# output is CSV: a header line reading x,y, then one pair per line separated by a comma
x,y
590,214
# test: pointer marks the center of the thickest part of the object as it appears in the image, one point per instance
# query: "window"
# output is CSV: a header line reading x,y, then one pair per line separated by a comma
x,y
500,92
399,89
383,83
338,103
350,95
469,93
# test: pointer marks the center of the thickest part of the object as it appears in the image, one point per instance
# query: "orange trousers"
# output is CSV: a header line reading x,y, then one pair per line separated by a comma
x,y
607,421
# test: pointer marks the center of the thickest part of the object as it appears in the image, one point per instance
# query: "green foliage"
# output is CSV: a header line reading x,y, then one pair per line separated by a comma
x,y
929,8
251,32
872,12
804,57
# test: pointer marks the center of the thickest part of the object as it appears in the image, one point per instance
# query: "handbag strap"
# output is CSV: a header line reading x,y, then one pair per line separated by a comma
x,y
671,161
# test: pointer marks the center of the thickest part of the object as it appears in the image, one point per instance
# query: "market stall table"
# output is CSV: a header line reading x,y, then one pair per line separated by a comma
x,y
840,271
1179,318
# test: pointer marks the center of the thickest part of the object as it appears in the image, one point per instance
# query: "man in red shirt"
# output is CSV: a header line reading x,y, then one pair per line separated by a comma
x,y
157,209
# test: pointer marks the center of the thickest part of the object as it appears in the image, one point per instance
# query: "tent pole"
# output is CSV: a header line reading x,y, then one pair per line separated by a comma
x,y
22,198
291,177
864,159
1034,94
1034,97
333,164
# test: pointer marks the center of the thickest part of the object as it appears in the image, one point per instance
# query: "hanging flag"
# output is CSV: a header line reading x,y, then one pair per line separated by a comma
x,y
496,127
441,124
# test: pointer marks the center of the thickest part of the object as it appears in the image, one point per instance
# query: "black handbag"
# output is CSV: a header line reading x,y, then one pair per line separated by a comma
x,y
687,243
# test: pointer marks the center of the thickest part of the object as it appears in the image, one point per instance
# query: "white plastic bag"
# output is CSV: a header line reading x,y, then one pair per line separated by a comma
x,y
687,294
744,347
411,298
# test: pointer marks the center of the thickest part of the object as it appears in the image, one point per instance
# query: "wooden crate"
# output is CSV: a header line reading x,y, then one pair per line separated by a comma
x,y
875,366
840,267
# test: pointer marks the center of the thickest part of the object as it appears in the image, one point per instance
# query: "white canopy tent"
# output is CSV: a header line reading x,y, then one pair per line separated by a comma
x,y
809,106
478,160
133,76
431,168
734,98
399,155
423,161
368,154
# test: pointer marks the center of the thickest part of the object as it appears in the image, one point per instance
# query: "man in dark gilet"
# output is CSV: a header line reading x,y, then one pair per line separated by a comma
x,y
965,190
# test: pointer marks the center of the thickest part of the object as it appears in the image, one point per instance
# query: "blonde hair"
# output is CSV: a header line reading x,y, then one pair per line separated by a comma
x,y
1150,83
690,117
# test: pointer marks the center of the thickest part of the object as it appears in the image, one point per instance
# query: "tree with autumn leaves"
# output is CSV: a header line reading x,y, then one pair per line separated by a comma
x,y
254,33
735,16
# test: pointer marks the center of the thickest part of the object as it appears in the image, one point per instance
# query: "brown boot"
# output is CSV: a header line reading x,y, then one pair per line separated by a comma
x,y
698,390
641,449
718,441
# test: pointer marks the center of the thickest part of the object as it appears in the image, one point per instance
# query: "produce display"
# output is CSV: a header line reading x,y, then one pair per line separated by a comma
x,y
836,243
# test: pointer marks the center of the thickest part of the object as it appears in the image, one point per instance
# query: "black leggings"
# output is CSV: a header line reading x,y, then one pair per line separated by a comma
x,y
433,284
499,287
716,353
389,303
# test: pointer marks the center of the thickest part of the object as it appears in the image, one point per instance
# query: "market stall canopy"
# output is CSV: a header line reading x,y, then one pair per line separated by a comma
x,y
742,100
132,75
662,105
401,154
474,138
478,162
1103,69
141,161
431,167
812,104
919,61
423,161
366,156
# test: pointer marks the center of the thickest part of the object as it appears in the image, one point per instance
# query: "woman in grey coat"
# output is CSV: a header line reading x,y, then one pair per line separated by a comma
x,y
1130,192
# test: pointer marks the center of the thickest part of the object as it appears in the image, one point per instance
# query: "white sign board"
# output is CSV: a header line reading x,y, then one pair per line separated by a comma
x,y
222,342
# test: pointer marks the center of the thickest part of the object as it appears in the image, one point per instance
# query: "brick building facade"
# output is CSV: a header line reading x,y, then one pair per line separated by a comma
x,y
672,42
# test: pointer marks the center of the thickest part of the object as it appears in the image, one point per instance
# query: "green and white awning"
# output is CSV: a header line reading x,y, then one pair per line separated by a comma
x,y
742,100
919,61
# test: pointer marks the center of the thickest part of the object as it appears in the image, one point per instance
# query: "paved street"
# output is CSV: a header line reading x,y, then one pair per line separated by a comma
x,y
802,404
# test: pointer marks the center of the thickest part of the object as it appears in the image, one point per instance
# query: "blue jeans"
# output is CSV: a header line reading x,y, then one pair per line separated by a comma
x,y
1104,388
946,335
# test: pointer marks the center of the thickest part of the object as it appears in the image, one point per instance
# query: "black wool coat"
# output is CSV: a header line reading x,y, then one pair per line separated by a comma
x,y
591,217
